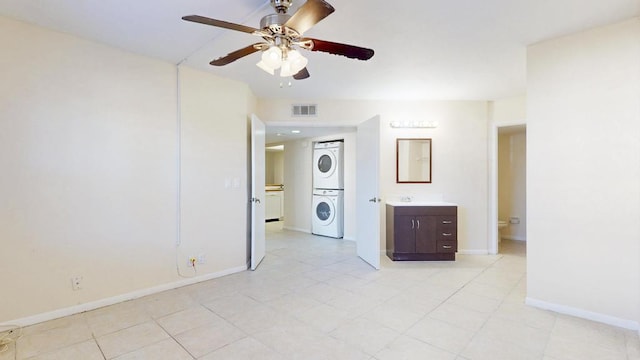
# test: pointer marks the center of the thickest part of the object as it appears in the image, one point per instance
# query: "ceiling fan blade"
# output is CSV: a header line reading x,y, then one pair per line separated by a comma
x,y
308,15
219,23
302,74
231,57
350,51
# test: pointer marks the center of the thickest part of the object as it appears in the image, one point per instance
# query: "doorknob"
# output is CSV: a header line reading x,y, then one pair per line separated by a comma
x,y
375,199
255,200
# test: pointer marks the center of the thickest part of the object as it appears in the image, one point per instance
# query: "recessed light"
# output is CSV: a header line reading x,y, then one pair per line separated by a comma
x,y
295,131
279,134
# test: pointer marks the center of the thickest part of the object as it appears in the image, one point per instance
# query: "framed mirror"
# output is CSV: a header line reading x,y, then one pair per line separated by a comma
x,y
413,160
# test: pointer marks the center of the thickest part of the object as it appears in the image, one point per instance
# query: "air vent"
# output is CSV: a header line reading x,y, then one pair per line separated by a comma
x,y
304,110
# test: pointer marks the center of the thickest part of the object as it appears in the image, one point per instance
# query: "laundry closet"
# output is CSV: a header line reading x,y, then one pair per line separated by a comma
x,y
328,189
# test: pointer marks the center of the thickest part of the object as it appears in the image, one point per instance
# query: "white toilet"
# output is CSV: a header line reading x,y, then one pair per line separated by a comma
x,y
501,225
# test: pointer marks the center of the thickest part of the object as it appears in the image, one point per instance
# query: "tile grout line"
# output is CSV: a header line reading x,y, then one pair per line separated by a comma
x,y
230,323
171,336
502,301
93,336
491,265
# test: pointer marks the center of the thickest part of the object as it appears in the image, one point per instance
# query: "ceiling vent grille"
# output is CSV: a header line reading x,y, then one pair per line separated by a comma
x,y
304,110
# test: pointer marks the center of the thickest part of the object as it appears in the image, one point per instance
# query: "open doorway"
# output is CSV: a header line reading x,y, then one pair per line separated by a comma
x,y
507,215
274,183
512,188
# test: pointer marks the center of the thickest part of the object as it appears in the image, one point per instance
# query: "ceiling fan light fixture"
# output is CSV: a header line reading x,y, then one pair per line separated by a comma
x,y
286,70
262,65
298,62
272,57
293,63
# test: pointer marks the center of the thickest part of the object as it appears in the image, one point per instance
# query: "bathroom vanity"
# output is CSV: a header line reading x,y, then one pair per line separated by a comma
x,y
274,202
422,231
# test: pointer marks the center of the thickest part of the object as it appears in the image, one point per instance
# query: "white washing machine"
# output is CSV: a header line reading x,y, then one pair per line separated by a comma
x,y
328,213
328,164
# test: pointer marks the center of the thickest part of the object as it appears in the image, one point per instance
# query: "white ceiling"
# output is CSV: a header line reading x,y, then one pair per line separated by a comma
x,y
277,134
425,49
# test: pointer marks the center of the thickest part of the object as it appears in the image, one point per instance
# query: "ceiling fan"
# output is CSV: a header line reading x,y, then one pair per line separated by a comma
x,y
281,34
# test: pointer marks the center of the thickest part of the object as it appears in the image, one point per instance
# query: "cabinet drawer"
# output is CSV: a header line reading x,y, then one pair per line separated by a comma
x,y
447,235
446,228
447,246
447,222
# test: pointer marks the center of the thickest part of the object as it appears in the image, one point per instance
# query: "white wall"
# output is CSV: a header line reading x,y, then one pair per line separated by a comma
x,y
508,111
89,175
297,185
214,169
274,167
583,176
459,155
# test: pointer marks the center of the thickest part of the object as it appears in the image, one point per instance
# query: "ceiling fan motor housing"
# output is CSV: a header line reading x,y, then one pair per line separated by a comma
x,y
274,22
274,19
281,6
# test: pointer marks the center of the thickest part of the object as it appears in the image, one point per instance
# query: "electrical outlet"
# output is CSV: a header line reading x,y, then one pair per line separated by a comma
x,y
76,282
191,261
202,259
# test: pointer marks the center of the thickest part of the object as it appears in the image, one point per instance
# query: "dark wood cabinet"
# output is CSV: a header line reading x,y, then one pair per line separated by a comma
x,y
422,232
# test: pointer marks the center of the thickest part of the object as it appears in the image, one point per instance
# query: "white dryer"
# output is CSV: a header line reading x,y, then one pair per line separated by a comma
x,y
328,213
328,167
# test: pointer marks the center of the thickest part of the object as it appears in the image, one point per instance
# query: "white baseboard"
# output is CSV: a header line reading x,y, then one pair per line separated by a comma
x,y
473,252
348,238
584,314
76,309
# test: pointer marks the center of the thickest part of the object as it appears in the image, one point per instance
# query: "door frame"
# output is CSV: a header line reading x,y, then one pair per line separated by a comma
x,y
493,182
365,248
257,198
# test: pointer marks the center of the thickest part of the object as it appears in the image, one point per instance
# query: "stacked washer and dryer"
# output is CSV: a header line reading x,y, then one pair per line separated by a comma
x,y
328,189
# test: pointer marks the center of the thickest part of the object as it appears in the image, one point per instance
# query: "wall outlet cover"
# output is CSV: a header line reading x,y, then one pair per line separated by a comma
x,y
76,282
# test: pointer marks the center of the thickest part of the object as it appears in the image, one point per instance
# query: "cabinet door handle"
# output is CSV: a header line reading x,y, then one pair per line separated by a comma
x,y
418,223
446,246
447,222
413,224
446,234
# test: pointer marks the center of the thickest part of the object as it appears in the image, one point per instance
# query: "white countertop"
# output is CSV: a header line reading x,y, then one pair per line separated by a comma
x,y
420,203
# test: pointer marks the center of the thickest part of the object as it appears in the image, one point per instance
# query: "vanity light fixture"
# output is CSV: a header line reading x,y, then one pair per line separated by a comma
x,y
414,124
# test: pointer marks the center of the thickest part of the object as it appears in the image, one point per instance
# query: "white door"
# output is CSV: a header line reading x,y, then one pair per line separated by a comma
x,y
367,191
258,244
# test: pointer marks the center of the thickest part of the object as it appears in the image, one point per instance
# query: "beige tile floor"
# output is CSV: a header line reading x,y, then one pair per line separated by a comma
x,y
313,298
